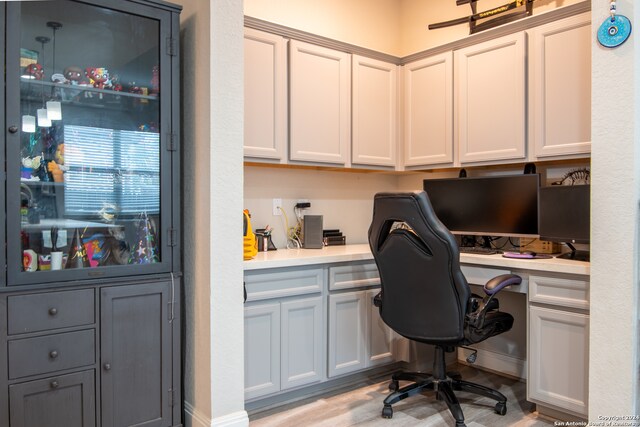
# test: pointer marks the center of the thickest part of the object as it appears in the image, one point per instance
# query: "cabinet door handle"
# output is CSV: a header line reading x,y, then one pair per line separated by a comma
x,y
54,384
53,311
53,354
107,366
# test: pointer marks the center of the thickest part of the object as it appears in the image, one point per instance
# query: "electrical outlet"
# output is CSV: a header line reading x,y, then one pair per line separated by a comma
x,y
277,204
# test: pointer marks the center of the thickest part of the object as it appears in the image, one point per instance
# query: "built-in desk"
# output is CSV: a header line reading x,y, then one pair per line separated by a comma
x,y
309,320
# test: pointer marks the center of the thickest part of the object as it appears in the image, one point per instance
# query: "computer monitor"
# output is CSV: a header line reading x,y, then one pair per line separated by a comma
x,y
564,216
504,205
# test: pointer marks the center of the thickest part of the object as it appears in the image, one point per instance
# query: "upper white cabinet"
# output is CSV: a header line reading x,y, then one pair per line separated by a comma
x,y
374,115
265,91
490,79
560,87
320,104
428,111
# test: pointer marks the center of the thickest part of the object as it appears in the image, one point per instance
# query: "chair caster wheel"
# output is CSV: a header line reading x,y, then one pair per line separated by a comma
x,y
501,408
460,424
394,385
387,411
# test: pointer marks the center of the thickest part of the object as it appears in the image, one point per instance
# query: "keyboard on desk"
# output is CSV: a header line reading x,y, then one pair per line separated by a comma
x,y
478,250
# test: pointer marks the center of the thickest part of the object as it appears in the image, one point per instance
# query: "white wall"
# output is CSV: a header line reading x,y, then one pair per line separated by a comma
x,y
613,353
212,123
416,15
344,199
374,24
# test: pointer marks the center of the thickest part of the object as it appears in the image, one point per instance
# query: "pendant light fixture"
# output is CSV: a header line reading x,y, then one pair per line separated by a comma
x,y
54,108
41,113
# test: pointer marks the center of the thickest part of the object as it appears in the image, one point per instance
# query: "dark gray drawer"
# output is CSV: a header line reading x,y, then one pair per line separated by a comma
x,y
52,310
39,355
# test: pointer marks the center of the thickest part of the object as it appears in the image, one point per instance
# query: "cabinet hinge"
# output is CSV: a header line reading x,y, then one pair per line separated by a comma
x,y
171,46
172,139
172,236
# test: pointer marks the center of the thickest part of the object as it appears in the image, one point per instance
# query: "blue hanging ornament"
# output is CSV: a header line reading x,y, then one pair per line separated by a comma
x,y
615,30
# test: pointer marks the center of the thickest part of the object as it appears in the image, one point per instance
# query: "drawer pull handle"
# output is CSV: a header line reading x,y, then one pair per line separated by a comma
x,y
107,366
54,384
53,354
53,311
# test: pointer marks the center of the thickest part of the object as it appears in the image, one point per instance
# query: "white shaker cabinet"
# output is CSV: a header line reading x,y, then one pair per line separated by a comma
x,y
560,88
265,92
319,104
490,79
374,115
558,345
428,111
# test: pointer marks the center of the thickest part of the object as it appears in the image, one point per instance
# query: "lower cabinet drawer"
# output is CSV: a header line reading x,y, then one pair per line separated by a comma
x,y
39,355
63,400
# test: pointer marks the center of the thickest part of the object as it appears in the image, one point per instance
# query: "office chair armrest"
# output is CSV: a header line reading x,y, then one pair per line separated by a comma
x,y
377,300
498,283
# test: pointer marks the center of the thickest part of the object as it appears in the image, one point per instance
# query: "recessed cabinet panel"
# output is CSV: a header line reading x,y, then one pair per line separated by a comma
x,y
261,350
428,115
320,104
374,112
490,100
91,152
265,91
347,332
560,87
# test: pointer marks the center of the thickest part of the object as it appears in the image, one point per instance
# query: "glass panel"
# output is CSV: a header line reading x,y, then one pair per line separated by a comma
x,y
90,141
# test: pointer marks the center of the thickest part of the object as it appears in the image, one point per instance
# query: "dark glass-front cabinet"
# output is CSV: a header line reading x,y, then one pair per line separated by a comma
x,y
89,293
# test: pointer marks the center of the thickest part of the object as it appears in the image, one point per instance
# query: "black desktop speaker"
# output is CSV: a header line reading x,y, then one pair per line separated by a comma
x,y
312,232
529,168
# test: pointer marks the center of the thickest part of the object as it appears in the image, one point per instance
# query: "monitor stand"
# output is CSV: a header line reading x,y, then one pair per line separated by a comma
x,y
575,254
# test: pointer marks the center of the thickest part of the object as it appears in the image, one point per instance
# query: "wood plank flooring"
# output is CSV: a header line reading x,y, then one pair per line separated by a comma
x,y
361,406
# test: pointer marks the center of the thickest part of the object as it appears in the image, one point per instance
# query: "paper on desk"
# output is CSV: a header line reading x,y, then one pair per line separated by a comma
x,y
62,239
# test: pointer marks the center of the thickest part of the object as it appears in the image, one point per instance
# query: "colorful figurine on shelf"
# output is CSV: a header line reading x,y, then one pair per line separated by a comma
x,y
145,250
155,80
98,77
34,71
77,253
55,171
73,74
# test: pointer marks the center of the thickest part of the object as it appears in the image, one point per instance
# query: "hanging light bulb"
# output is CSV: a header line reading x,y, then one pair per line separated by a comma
x,y
54,110
28,124
43,118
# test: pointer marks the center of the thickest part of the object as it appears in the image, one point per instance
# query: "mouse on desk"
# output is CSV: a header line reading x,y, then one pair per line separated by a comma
x,y
524,254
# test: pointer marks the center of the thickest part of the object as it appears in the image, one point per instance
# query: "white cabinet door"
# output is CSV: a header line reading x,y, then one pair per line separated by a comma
x,y
261,350
490,100
302,342
265,95
320,104
347,332
560,87
374,120
428,111
380,345
558,359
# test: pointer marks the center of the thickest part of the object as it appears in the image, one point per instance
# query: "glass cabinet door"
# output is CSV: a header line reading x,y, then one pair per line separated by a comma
x,y
88,180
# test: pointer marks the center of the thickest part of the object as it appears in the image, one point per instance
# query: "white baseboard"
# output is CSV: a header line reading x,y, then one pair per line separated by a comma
x,y
497,362
194,418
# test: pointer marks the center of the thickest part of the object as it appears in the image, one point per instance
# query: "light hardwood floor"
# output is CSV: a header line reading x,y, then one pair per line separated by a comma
x,y
362,405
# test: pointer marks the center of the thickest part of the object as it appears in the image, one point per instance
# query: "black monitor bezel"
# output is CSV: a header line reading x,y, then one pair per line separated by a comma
x,y
565,238
497,233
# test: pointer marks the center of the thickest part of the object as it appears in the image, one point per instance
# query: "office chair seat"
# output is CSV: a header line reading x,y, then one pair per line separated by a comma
x,y
425,297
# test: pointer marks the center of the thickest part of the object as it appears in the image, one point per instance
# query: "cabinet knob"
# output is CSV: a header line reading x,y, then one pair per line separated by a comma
x,y
54,384
13,129
53,311
107,366
53,354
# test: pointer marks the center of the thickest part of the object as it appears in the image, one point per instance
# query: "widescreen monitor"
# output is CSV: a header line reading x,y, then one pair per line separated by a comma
x,y
564,213
504,205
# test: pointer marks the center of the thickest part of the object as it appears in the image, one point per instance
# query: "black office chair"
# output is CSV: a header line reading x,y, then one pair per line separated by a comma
x,y
426,298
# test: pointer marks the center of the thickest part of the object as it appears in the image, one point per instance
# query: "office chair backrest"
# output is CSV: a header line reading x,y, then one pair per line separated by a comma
x,y
424,293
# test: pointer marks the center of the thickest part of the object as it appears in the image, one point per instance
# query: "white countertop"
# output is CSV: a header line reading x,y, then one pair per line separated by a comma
x,y
344,253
